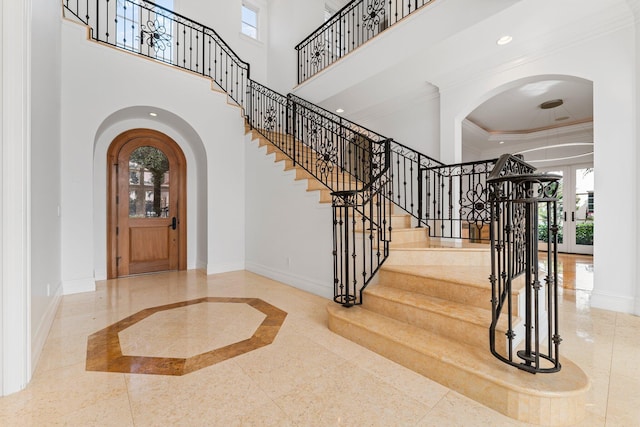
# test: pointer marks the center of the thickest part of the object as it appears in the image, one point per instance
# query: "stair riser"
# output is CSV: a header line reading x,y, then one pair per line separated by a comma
x,y
314,184
396,221
438,256
407,235
437,322
470,295
559,411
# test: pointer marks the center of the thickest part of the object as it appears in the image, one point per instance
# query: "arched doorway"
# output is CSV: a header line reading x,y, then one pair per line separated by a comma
x,y
548,119
146,204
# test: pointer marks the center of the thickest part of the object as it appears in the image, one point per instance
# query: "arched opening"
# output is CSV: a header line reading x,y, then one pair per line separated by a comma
x,y
146,205
192,146
547,119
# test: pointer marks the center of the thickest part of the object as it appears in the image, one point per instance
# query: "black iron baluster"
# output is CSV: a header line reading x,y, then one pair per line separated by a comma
x,y
97,19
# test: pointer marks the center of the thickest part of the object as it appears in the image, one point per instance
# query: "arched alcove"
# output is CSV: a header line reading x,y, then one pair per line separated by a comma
x,y
547,118
192,145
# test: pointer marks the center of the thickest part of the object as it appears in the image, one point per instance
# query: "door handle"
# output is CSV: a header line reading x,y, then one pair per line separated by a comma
x,y
174,223
573,216
565,216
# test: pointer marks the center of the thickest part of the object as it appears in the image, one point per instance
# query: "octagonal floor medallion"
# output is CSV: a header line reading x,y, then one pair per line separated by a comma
x,y
179,338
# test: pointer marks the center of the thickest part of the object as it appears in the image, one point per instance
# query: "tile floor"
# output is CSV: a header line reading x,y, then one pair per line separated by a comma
x,y
307,377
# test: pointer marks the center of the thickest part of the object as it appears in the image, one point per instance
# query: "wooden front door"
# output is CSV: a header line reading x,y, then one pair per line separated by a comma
x,y
147,204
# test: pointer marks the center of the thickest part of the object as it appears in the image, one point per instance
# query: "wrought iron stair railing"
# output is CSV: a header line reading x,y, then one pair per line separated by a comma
x,y
521,202
350,160
145,28
365,171
349,28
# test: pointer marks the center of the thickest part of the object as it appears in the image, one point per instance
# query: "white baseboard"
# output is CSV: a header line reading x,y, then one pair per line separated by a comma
x,y
201,265
224,268
303,283
603,300
79,285
42,332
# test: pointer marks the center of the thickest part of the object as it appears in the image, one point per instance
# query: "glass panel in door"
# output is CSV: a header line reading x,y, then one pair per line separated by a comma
x,y
560,215
148,183
582,218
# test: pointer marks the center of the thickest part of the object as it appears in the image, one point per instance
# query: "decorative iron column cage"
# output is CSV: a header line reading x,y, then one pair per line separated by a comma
x,y
521,202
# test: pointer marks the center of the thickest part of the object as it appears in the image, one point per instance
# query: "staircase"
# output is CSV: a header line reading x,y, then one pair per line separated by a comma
x,y
430,311
424,302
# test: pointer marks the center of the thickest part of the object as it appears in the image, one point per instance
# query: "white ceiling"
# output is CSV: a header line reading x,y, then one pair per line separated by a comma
x,y
517,110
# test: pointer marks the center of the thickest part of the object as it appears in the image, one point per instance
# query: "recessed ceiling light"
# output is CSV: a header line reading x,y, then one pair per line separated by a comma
x,y
339,110
153,114
501,142
504,40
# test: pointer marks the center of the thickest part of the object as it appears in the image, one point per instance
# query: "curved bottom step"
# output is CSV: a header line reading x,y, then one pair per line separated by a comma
x,y
549,399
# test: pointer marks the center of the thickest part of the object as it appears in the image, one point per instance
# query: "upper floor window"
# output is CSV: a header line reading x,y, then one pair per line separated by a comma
x,y
250,21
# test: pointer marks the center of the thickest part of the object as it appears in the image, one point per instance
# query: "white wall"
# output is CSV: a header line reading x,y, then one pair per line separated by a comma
x,y
224,16
290,21
15,200
289,233
413,121
45,169
635,6
97,81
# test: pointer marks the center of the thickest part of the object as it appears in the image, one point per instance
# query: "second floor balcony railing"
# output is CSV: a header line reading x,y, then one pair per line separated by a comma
x,y
351,27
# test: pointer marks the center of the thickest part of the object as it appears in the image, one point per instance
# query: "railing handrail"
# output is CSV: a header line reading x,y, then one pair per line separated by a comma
x,y
334,118
145,3
377,178
353,25
336,17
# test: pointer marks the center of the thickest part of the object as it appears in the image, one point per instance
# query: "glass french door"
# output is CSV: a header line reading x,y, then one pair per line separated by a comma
x,y
575,209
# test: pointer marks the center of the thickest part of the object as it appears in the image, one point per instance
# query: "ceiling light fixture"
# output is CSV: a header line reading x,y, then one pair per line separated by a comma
x,y
501,142
547,105
153,114
339,110
504,40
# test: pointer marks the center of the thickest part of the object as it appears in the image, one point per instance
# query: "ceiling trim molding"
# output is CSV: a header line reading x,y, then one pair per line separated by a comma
x,y
534,130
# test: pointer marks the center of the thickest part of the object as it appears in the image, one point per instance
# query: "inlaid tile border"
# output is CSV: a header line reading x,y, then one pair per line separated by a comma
x,y
104,352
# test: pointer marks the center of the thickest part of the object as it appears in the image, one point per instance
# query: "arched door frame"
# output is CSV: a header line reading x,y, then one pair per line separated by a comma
x,y
112,190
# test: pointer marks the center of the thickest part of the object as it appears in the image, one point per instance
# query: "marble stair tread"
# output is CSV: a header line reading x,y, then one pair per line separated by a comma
x,y
469,370
477,276
454,310
437,243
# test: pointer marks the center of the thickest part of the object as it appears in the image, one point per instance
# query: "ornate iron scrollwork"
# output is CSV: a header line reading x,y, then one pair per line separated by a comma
x,y
317,54
375,12
474,207
327,150
155,35
270,118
